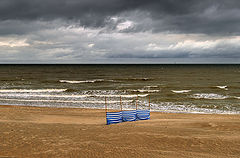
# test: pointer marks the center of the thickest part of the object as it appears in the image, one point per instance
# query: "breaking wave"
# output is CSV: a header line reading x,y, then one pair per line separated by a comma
x,y
222,87
65,101
189,108
70,96
151,86
145,91
181,91
30,90
136,79
209,96
86,81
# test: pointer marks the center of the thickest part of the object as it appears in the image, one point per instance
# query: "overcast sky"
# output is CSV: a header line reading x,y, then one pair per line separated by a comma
x,y
119,31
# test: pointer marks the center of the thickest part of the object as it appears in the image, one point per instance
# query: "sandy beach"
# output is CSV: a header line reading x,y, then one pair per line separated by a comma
x,y
64,132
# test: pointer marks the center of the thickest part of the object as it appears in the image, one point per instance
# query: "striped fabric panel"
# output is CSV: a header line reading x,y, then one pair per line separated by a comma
x,y
129,115
143,114
124,116
114,117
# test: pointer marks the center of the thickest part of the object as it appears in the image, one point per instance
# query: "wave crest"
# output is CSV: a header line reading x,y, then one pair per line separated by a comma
x,y
222,87
145,91
30,90
181,91
209,96
86,81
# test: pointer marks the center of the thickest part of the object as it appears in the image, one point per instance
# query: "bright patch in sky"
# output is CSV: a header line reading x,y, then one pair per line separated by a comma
x,y
14,43
91,45
125,25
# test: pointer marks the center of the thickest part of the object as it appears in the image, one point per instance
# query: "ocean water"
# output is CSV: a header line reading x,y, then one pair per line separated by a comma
x,y
170,88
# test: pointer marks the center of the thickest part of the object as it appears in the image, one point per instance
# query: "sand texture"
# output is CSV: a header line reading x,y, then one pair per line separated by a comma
x,y
61,132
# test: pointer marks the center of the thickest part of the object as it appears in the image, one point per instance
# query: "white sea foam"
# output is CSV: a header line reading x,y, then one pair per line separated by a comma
x,y
67,81
168,107
151,86
181,91
172,107
69,96
144,79
208,96
142,95
86,81
24,95
236,97
67,101
123,96
30,90
222,87
146,91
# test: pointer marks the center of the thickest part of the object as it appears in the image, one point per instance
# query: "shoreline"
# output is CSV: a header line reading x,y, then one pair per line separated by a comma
x,y
29,131
160,111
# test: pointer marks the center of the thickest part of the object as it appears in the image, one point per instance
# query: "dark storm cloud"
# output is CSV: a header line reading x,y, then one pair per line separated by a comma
x,y
181,16
89,31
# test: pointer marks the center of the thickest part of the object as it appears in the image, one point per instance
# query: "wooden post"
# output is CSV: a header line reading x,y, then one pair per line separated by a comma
x,y
121,102
105,104
149,102
137,102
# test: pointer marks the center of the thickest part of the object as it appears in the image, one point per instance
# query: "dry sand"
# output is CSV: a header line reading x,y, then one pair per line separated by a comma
x,y
62,132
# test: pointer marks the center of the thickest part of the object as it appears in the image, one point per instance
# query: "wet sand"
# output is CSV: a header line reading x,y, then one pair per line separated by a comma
x,y
65,132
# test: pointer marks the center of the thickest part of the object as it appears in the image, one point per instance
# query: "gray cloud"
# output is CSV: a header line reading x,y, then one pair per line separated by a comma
x,y
185,16
88,31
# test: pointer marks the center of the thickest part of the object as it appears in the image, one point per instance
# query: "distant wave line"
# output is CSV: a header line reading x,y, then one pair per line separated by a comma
x,y
30,90
70,96
181,91
209,96
222,87
85,81
145,90
66,101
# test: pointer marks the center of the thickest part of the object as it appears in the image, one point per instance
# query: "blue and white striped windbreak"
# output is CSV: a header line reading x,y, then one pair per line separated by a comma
x,y
143,114
114,117
129,115
124,116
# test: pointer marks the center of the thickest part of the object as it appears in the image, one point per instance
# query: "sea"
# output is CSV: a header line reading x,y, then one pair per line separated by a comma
x,y
207,89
